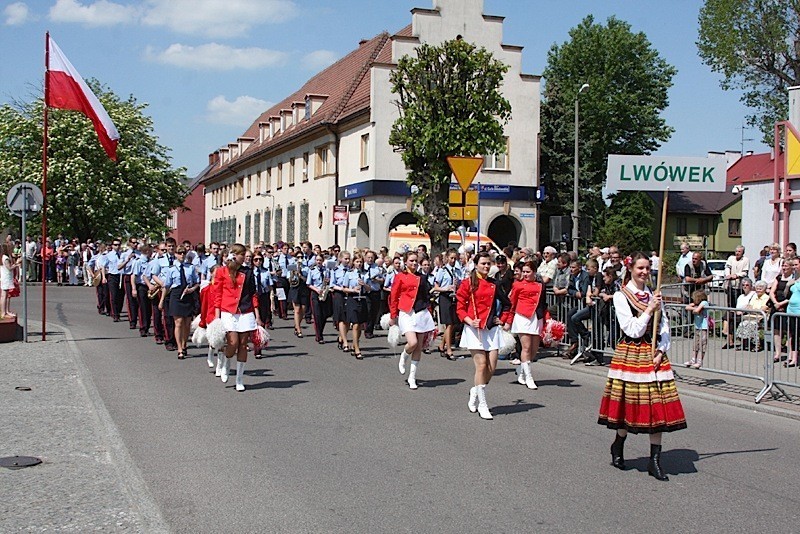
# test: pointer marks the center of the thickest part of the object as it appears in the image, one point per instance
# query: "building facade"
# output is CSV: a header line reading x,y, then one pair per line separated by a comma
x,y
328,144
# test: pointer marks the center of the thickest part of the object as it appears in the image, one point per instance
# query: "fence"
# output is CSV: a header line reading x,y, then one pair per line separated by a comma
x,y
739,342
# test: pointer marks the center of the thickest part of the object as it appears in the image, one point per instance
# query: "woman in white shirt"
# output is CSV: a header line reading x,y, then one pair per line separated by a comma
x,y
772,265
6,281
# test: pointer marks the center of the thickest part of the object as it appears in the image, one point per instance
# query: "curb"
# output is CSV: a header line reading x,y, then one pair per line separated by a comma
x,y
131,479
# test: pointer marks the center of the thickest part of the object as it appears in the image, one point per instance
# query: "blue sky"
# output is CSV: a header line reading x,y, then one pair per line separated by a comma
x,y
166,53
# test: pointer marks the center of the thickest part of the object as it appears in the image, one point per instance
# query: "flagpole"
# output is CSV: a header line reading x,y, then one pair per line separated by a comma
x,y
44,184
657,316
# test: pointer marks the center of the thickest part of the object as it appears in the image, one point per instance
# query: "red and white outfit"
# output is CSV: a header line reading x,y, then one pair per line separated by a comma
x,y
525,297
405,298
237,303
479,305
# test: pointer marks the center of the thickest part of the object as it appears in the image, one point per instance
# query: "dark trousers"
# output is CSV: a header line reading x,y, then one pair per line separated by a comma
x,y
320,312
373,309
115,295
575,326
133,302
308,316
265,308
144,308
158,320
169,329
102,299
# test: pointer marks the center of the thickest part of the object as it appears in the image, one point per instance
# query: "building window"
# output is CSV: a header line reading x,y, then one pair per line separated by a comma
x,y
247,229
304,221
290,224
291,172
249,186
257,227
702,226
278,224
258,183
321,161
279,177
734,228
365,151
240,189
267,225
305,167
681,226
498,162
269,180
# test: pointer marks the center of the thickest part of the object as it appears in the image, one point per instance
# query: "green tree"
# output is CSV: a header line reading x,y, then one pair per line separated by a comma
x,y
450,105
619,113
630,222
88,195
755,45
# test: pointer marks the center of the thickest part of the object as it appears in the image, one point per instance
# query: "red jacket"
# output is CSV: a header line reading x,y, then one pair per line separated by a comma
x,y
228,298
478,304
207,310
525,298
403,294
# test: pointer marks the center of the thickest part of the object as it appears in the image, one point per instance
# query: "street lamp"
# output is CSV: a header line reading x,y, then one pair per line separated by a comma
x,y
575,216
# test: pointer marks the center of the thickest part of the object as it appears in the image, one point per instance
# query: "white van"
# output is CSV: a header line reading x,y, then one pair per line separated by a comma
x,y
409,236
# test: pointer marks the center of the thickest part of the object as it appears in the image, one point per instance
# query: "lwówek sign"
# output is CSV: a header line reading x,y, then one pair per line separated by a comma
x,y
654,173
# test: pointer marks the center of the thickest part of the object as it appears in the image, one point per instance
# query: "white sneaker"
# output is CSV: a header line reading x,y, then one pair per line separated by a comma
x,y
412,383
530,383
401,366
225,367
473,399
690,362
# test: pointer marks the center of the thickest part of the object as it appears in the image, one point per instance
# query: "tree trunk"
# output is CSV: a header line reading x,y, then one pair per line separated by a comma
x,y
438,228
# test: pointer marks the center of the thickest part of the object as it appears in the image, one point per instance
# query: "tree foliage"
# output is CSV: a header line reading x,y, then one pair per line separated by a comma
x,y
88,195
755,45
450,104
630,222
619,113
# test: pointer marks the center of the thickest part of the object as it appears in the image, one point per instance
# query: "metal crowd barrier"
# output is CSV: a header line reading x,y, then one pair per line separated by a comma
x,y
784,326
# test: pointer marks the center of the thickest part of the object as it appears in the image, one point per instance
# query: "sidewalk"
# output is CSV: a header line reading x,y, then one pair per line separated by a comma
x,y
86,480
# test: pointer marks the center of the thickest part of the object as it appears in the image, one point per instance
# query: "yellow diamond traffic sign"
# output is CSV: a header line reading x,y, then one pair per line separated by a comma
x,y
465,169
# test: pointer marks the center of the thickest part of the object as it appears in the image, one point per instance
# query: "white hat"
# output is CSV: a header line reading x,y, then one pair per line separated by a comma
x,y
604,250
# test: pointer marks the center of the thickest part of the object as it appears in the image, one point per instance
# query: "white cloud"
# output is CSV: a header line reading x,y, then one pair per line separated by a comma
x,y
216,56
319,59
100,13
240,112
16,14
217,19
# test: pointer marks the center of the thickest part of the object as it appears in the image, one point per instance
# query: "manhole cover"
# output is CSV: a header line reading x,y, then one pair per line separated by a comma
x,y
22,388
19,462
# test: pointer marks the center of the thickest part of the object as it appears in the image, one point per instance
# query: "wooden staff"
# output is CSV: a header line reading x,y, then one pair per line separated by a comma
x,y
657,315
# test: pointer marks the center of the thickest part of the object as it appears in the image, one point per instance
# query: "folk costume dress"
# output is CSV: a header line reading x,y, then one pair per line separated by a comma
x,y
637,397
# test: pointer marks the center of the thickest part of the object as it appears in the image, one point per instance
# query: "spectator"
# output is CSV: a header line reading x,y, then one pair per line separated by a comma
x,y
655,266
696,274
772,265
748,329
699,307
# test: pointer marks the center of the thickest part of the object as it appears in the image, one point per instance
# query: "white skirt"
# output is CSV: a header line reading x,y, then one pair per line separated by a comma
x,y
523,325
239,322
474,339
419,322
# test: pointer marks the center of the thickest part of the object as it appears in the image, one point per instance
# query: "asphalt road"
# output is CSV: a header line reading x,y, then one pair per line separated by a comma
x,y
321,442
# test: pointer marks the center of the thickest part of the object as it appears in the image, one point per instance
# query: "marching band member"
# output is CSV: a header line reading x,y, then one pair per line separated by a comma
x,y
180,282
339,314
207,315
528,308
263,281
98,263
355,287
483,307
154,285
236,303
319,280
445,284
128,257
139,290
409,304
298,291
165,262
113,276
375,280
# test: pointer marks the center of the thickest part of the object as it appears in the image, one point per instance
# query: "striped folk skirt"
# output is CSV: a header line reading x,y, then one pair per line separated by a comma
x,y
637,398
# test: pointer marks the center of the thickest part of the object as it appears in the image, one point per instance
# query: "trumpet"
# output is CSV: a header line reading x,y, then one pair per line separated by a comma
x,y
153,293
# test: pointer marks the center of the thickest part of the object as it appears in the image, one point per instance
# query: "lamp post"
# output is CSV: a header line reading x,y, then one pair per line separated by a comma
x,y
575,216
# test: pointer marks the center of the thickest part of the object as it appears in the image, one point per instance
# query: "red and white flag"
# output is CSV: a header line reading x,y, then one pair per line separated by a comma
x,y
65,89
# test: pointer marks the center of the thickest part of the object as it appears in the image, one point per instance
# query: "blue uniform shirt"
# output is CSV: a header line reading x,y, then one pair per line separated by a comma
x,y
128,269
375,271
153,268
112,265
317,276
138,268
101,260
172,278
337,278
262,275
448,276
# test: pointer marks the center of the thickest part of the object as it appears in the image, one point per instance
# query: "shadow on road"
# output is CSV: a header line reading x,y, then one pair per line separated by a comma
x,y
440,382
560,382
518,407
280,384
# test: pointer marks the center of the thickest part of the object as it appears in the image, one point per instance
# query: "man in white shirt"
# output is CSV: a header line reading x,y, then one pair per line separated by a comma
x,y
547,269
737,267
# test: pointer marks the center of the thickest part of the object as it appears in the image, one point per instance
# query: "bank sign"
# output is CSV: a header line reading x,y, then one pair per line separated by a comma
x,y
654,173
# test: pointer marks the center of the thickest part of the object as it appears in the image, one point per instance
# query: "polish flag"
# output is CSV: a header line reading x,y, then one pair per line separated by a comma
x,y
65,89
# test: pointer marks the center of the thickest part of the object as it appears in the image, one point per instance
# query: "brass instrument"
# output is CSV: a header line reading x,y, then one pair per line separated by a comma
x,y
153,293
294,277
326,288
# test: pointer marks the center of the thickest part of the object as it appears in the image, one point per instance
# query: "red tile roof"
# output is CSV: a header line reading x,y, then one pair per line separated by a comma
x,y
755,168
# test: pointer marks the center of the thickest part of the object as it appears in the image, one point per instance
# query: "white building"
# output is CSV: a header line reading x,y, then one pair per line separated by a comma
x,y
327,144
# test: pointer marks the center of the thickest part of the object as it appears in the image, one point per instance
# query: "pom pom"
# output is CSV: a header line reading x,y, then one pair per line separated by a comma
x,y
509,343
195,324
428,339
553,332
260,338
385,318
394,338
199,337
216,333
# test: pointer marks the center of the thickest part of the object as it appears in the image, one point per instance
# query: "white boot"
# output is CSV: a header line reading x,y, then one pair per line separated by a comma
x,y
402,365
526,366
210,357
220,363
483,408
412,375
239,376
226,365
473,399
521,374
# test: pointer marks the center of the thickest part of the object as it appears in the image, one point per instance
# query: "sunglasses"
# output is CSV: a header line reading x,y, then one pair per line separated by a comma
x,y
258,259
115,244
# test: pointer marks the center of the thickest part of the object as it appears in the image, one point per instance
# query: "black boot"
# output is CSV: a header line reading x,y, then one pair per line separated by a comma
x,y
617,459
654,467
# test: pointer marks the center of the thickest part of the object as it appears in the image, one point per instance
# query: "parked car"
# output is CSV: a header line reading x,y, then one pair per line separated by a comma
x,y
718,272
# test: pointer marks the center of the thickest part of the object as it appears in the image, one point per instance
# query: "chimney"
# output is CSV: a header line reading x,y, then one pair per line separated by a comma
x,y
263,131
